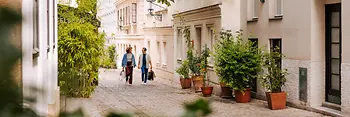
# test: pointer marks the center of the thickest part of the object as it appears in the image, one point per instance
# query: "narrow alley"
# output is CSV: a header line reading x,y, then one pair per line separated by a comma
x,y
163,98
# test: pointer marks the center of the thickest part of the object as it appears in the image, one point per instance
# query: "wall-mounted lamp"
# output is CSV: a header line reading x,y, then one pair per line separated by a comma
x,y
151,11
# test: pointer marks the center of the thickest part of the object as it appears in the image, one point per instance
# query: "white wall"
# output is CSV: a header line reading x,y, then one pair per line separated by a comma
x,y
40,72
107,14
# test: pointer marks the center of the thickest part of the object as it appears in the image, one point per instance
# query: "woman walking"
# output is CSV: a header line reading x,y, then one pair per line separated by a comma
x,y
128,63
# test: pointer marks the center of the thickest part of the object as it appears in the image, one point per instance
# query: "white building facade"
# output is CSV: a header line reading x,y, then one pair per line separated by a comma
x,y
39,61
313,37
107,14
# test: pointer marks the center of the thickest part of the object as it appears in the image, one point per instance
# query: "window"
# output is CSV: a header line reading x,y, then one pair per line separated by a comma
x,y
36,28
279,7
128,15
159,52
211,42
124,16
254,81
333,53
164,52
256,4
134,12
198,41
276,43
48,25
179,47
54,25
118,18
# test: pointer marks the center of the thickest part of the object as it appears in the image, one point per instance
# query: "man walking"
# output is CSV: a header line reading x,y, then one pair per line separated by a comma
x,y
144,63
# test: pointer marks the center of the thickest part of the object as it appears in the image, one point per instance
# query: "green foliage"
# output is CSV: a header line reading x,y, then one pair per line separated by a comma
x,y
200,108
80,49
183,70
167,2
109,57
193,61
275,77
118,115
205,54
236,61
111,52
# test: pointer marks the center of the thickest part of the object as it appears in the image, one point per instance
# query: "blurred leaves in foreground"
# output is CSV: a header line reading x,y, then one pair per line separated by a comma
x,y
11,99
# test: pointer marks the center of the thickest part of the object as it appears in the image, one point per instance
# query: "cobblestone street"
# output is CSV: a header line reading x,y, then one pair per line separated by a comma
x,y
163,98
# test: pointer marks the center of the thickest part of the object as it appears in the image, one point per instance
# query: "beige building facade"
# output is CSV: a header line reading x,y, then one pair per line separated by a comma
x,y
137,28
129,29
313,35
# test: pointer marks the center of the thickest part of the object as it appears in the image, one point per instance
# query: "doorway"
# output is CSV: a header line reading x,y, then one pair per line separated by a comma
x,y
333,53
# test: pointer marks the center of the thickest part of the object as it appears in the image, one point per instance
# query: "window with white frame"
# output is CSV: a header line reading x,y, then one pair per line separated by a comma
x,y
134,12
159,53
279,7
118,18
54,24
179,48
211,40
124,16
256,4
129,14
48,24
164,52
36,28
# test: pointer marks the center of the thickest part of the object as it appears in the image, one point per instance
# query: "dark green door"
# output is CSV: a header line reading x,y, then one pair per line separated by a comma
x,y
333,53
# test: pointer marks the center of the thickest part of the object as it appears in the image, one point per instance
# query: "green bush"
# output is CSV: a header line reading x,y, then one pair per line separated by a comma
x,y
109,57
236,61
275,77
183,70
79,52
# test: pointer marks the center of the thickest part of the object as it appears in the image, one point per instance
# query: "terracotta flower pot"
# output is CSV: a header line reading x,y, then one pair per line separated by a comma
x,y
243,98
226,92
185,83
198,82
276,101
207,91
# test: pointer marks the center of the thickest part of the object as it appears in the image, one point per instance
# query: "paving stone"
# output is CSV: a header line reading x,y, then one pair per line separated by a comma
x,y
164,98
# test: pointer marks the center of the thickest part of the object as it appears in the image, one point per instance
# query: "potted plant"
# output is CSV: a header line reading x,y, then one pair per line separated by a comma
x,y
194,66
274,79
183,71
193,61
226,91
206,89
236,62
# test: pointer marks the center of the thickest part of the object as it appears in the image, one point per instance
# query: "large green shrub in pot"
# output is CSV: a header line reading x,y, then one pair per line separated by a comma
x,y
275,77
236,61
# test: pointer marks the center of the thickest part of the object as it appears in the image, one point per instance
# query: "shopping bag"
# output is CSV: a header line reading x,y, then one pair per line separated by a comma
x,y
151,75
122,75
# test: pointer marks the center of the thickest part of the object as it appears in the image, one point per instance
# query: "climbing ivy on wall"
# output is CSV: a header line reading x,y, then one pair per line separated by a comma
x,y
80,48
